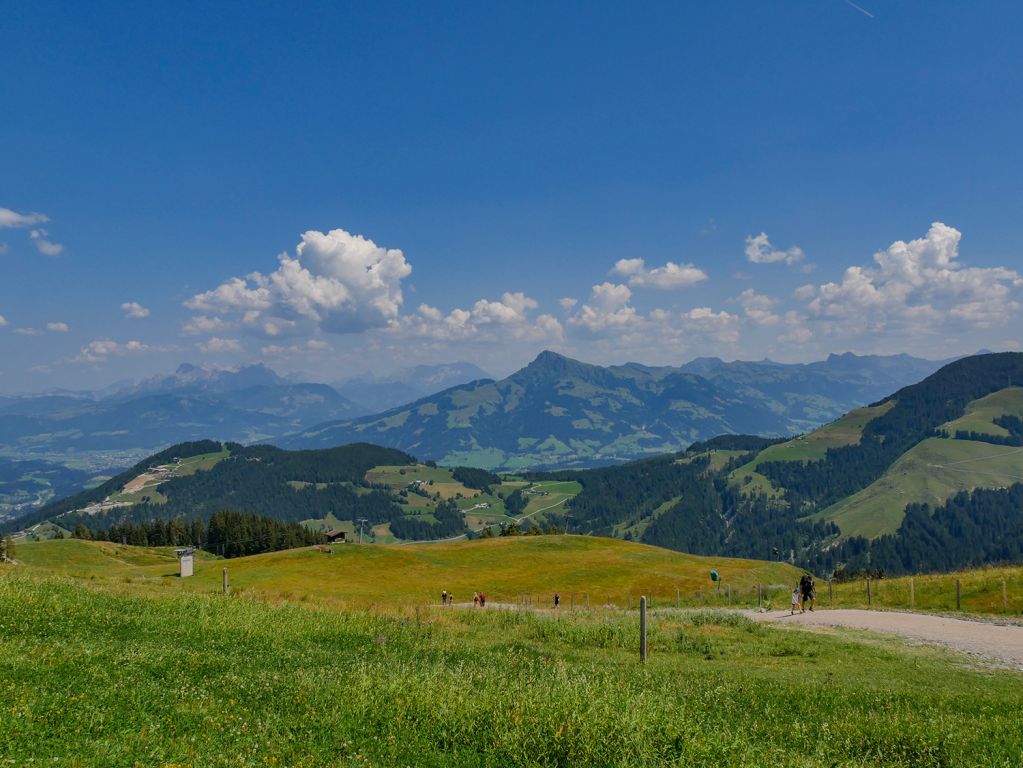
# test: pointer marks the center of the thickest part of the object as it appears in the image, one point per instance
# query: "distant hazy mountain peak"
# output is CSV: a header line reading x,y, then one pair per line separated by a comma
x,y
549,363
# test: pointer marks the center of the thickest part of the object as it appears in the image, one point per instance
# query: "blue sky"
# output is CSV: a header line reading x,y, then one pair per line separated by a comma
x,y
474,181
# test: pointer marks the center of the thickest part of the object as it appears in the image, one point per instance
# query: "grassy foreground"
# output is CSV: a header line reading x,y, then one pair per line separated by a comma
x,y
90,676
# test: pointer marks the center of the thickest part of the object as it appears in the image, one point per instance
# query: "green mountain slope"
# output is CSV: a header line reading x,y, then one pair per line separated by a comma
x,y
396,497
558,412
930,472
903,479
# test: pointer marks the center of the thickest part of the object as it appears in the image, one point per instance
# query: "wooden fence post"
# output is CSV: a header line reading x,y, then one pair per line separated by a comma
x,y
678,600
225,581
1005,596
870,598
912,593
760,598
959,596
642,628
729,593
830,593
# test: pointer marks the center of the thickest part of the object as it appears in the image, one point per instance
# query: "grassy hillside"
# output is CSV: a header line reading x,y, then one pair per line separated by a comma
x,y
502,567
929,473
811,447
980,414
936,469
93,675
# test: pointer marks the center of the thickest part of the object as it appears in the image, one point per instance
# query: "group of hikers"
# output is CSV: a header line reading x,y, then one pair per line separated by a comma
x,y
448,598
803,593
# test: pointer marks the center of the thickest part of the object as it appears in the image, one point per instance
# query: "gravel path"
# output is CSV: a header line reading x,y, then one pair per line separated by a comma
x,y
991,641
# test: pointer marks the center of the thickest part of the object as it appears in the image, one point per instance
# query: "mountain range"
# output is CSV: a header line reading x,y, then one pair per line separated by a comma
x,y
99,430
560,412
926,478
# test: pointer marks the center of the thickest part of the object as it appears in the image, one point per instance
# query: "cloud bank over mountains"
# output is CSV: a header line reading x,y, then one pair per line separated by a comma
x,y
339,284
341,296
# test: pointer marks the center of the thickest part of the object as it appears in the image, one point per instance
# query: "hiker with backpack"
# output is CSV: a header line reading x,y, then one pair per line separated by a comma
x,y
809,594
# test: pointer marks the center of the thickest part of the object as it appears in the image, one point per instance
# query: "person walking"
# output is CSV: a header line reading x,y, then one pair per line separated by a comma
x,y
443,597
557,599
476,599
796,597
806,591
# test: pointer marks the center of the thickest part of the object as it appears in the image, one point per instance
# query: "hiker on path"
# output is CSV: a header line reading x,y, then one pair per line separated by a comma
x,y
796,596
443,597
557,599
807,592
483,600
476,599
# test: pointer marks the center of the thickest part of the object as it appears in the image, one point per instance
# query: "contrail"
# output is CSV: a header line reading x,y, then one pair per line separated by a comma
x,y
864,11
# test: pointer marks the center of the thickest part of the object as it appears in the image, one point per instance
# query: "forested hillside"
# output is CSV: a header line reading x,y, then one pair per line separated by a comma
x,y
703,501
289,487
381,491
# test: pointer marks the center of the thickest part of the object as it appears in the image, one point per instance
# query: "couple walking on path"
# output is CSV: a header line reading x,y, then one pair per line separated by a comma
x,y
803,593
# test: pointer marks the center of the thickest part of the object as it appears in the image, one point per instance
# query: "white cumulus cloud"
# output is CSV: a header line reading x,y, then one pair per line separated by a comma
x,y
919,287
760,251
337,281
57,327
607,309
509,318
100,350
202,324
757,307
668,277
134,310
10,219
43,245
216,344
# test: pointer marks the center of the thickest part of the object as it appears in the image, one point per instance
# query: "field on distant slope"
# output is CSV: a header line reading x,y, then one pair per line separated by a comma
x,y
811,447
929,473
502,567
106,673
980,414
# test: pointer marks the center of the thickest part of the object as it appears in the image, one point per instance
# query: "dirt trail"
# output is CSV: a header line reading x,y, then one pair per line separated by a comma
x,y
992,641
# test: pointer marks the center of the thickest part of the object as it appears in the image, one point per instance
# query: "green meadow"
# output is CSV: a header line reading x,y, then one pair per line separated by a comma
x,y
97,674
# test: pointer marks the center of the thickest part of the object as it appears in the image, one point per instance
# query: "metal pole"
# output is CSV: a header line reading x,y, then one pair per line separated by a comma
x,y
642,628
870,598
959,596
729,593
677,601
225,581
830,593
912,593
760,598
1005,597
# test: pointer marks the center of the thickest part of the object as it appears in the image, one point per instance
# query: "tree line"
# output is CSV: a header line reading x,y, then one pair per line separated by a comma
x,y
228,533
